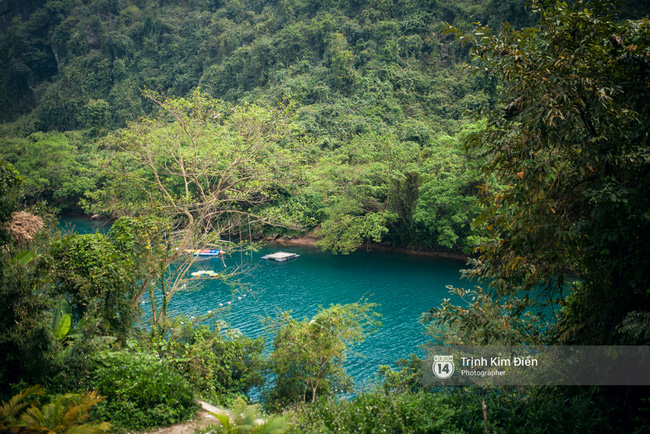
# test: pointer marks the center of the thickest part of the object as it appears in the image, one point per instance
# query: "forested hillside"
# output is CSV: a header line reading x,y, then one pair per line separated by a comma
x,y
376,88
71,58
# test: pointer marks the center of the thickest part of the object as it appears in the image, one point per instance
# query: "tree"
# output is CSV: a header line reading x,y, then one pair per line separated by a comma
x,y
96,279
447,199
50,167
9,192
568,150
361,183
104,276
308,355
202,165
25,336
143,244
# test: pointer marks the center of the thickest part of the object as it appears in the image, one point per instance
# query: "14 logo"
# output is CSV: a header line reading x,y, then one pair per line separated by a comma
x,y
443,366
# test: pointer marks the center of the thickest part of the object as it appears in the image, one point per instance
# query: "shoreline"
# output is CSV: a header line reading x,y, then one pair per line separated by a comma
x,y
310,241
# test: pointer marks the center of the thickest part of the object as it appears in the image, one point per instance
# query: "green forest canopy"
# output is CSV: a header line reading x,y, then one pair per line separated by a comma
x,y
367,75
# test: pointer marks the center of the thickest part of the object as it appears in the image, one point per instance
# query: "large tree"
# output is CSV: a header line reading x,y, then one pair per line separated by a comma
x,y
207,167
568,150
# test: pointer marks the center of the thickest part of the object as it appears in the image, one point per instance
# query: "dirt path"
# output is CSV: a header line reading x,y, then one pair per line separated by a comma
x,y
203,418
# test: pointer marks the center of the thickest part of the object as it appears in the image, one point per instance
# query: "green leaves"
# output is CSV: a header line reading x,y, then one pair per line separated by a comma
x,y
202,164
219,364
52,168
484,320
67,413
98,281
142,391
211,160
63,327
9,189
455,410
62,319
308,355
23,258
566,195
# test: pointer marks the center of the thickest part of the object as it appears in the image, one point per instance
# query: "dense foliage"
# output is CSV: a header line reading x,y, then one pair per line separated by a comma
x,y
452,411
56,167
567,149
141,391
246,418
68,413
107,52
373,87
308,355
25,337
569,152
219,362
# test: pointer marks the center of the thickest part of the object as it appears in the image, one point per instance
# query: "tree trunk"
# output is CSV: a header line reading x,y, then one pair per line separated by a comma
x,y
485,420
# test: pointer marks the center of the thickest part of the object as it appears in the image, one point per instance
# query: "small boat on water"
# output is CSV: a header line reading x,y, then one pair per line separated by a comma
x,y
205,252
208,273
280,256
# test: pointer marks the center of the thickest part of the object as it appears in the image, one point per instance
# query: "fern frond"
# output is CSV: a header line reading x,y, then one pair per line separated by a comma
x,y
225,421
11,409
82,404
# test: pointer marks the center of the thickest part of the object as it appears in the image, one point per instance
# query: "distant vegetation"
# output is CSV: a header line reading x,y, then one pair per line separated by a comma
x,y
375,88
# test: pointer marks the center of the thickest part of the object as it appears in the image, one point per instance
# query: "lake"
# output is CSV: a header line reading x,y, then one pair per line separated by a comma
x,y
404,286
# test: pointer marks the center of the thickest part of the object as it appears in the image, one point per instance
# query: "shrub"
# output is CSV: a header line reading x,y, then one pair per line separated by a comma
x,y
308,355
141,390
375,412
219,363
456,410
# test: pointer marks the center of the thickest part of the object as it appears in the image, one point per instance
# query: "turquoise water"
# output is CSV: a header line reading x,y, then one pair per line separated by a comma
x,y
404,286
82,225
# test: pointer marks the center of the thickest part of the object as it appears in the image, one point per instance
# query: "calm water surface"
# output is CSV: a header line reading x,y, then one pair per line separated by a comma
x,y
404,286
